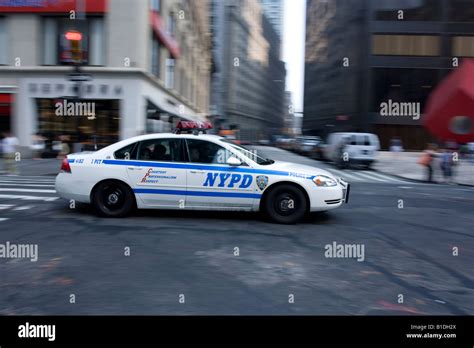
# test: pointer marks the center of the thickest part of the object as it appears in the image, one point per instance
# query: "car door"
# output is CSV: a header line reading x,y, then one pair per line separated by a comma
x,y
212,183
158,174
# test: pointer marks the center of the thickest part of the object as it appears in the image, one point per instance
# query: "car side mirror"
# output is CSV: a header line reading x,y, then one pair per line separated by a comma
x,y
234,161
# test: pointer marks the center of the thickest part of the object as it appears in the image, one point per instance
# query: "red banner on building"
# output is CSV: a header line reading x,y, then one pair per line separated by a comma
x,y
158,27
51,6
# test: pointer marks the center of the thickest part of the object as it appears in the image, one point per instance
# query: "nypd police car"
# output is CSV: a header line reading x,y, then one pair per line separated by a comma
x,y
192,170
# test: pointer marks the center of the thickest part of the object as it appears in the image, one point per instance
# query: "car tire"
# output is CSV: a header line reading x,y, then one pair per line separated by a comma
x,y
113,199
285,204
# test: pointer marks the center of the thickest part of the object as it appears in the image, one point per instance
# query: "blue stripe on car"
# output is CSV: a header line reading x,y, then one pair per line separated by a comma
x,y
198,193
196,167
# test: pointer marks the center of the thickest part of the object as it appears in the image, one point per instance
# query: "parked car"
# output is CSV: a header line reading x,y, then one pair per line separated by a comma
x,y
307,145
361,148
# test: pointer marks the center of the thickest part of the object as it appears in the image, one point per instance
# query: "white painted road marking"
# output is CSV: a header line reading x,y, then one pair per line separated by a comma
x,y
30,198
26,190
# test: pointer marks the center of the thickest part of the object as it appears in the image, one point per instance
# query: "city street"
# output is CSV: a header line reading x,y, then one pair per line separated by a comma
x,y
409,231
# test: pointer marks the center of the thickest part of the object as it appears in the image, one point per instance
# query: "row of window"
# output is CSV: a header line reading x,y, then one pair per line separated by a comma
x,y
420,45
56,49
425,10
175,150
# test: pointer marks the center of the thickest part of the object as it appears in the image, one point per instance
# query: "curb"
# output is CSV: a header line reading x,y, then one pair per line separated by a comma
x,y
417,180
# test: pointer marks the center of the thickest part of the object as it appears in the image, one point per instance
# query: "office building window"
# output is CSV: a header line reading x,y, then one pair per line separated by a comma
x,y
170,65
155,5
171,24
155,56
419,10
57,50
461,10
3,42
463,46
406,45
403,85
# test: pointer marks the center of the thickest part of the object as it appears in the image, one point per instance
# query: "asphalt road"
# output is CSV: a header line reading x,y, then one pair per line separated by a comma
x,y
407,251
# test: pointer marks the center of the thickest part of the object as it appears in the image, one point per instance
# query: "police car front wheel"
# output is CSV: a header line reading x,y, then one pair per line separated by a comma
x,y
113,199
285,204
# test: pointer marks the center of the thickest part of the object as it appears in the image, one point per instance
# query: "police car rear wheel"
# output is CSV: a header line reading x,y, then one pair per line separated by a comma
x,y
113,199
285,204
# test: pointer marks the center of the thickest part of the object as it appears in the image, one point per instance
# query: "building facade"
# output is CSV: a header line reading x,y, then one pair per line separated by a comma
x,y
248,84
273,10
402,51
143,67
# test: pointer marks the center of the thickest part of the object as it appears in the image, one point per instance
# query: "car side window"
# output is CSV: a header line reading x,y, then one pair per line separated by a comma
x,y
202,151
127,152
367,141
162,150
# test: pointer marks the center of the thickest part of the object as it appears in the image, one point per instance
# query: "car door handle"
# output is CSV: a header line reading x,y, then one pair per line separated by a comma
x,y
196,171
135,168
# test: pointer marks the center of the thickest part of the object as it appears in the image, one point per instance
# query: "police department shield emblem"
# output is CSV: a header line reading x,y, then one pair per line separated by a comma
x,y
262,182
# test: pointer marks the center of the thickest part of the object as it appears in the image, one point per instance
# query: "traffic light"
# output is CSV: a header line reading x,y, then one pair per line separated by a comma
x,y
75,40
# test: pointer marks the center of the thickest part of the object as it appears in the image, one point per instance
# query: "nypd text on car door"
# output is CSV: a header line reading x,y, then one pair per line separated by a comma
x,y
213,183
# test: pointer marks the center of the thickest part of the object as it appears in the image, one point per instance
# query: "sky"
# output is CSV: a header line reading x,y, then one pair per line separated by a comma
x,y
293,49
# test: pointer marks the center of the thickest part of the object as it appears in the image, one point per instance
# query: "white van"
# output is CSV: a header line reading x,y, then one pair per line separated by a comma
x,y
361,148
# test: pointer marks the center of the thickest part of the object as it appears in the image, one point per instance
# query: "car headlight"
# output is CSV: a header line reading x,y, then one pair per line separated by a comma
x,y
324,181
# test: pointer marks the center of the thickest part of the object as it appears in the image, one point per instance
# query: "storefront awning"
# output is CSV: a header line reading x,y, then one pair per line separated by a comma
x,y
449,114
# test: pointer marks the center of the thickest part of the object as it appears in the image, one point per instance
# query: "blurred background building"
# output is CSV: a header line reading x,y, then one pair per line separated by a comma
x,y
144,63
248,85
361,53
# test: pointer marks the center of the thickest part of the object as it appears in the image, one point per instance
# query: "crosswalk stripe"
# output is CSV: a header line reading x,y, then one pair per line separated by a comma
x,y
345,175
386,177
30,198
6,206
25,207
27,180
371,177
4,219
3,183
26,190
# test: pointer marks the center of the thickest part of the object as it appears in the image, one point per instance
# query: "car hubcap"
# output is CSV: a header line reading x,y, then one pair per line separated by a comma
x,y
113,198
285,204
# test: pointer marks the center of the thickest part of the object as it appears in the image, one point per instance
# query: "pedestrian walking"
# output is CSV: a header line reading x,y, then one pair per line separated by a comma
x,y
427,160
446,165
343,161
9,147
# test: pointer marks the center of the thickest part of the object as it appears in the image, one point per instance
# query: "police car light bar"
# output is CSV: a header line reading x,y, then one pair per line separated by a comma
x,y
192,126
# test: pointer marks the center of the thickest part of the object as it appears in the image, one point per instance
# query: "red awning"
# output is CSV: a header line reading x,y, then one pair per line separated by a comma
x,y
5,104
158,27
51,6
449,114
6,98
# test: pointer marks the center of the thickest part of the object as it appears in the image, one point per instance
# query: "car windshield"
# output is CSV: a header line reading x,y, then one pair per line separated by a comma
x,y
250,154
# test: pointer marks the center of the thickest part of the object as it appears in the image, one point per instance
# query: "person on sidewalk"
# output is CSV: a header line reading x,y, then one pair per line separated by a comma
x,y
427,160
446,165
343,161
9,146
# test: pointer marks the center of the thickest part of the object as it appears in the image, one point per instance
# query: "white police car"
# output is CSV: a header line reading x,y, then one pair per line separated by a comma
x,y
195,171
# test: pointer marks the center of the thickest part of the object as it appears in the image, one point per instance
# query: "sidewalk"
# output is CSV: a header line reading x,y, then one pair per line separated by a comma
x,y
40,167
405,165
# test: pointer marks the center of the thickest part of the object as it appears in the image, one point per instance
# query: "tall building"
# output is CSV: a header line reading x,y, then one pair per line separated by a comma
x,y
146,65
248,84
397,52
273,10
